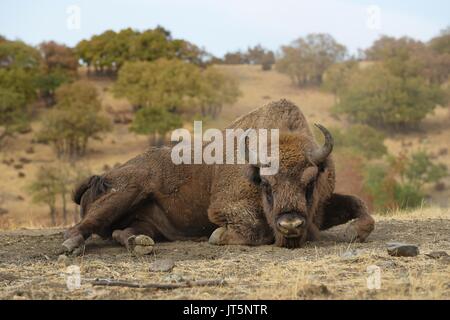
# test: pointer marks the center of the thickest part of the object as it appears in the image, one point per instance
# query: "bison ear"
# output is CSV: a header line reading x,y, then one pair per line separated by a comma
x,y
252,174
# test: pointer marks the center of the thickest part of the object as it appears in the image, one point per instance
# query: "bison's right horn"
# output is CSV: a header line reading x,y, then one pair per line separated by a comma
x,y
319,155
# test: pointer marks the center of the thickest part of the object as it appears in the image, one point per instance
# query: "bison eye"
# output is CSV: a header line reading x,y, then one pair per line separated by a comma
x,y
267,189
309,191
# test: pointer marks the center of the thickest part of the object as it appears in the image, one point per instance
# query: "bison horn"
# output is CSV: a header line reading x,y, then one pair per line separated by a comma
x,y
319,155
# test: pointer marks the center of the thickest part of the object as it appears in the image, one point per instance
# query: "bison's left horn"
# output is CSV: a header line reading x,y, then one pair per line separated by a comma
x,y
319,155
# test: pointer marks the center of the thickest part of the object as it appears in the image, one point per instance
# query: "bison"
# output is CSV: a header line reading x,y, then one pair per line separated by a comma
x,y
149,197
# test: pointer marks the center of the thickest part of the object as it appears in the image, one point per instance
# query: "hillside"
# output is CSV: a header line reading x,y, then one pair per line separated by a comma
x,y
257,88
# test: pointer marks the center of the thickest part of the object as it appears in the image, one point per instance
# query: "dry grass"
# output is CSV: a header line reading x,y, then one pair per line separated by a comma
x,y
29,268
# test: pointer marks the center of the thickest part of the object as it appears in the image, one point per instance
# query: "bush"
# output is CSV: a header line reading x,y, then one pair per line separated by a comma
x,y
378,98
155,122
337,76
401,182
13,113
362,139
306,59
407,196
74,120
420,170
52,185
381,185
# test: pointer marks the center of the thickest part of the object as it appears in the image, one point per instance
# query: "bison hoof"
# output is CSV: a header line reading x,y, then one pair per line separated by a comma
x,y
350,233
140,245
354,233
73,243
216,236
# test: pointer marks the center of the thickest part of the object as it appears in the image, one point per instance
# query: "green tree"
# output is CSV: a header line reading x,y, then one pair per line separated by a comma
x,y
400,183
155,122
237,57
59,66
177,86
45,188
362,139
52,186
17,54
168,84
110,50
377,97
336,77
216,89
74,120
19,68
406,57
306,59
13,113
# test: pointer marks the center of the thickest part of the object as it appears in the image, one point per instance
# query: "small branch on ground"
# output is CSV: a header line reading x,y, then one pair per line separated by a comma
x,y
184,284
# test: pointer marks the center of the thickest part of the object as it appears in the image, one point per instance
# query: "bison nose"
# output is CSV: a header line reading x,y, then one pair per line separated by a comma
x,y
290,224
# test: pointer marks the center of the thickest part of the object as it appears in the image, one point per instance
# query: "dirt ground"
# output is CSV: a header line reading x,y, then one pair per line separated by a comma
x,y
327,269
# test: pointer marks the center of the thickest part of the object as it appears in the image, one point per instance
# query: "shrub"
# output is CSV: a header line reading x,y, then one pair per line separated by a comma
x,y
306,59
362,139
378,98
400,183
74,120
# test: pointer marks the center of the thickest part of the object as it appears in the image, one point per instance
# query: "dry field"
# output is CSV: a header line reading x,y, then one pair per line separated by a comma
x,y
327,269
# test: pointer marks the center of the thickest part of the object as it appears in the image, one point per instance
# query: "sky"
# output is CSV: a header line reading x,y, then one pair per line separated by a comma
x,y
220,26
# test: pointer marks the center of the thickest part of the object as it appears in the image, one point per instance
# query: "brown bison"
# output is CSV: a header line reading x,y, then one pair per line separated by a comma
x,y
149,197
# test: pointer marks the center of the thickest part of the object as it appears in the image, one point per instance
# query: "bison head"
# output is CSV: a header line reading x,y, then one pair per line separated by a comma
x,y
305,179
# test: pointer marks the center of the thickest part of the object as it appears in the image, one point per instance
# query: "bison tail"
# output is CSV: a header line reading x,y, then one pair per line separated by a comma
x,y
97,185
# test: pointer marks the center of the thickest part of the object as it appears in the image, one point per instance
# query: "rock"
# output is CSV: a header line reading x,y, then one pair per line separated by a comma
x,y
171,277
24,160
63,260
78,251
398,249
165,265
387,264
3,211
445,260
437,254
8,276
311,290
351,254
443,152
440,186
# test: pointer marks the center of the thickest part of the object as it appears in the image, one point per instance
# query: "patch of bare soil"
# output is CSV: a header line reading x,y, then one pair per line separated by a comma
x,y
327,269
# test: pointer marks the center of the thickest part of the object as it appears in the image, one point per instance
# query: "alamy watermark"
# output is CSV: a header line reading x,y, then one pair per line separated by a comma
x,y
373,277
217,147
373,21
73,21
73,277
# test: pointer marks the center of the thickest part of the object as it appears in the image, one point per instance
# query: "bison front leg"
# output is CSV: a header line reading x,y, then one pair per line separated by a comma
x,y
340,209
239,225
101,215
